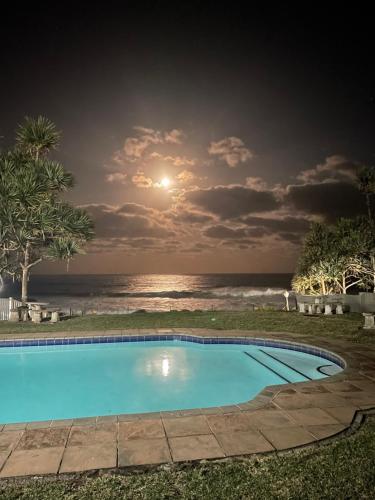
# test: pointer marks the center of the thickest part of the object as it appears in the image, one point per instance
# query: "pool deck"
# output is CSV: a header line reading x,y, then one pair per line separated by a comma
x,y
281,417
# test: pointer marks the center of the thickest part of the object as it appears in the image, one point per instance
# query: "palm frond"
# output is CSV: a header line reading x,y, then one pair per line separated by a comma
x,y
37,136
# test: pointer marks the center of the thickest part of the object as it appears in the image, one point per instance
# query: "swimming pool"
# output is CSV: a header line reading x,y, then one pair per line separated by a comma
x,y
102,376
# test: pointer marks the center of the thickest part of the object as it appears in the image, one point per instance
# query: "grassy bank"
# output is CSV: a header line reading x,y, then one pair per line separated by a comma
x,y
343,469
345,326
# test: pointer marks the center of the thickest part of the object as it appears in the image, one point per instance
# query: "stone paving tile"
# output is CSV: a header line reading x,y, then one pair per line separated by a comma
x,y
150,416
186,426
127,417
339,387
242,443
90,435
39,425
170,414
96,456
43,438
195,448
229,409
15,427
9,440
325,431
289,437
293,401
230,422
312,416
359,398
309,401
343,414
271,418
143,452
84,421
3,456
62,423
312,389
33,462
107,419
365,385
141,429
189,413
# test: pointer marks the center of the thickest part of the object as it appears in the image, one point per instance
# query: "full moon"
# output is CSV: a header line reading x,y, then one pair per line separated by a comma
x,y
165,182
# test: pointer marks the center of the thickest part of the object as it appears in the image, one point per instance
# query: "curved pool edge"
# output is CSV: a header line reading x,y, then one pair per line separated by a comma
x,y
278,418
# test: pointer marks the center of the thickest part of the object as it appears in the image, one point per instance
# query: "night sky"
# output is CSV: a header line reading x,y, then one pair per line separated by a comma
x,y
257,121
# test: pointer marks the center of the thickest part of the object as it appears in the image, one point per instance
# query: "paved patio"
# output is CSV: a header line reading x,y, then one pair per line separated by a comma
x,y
279,418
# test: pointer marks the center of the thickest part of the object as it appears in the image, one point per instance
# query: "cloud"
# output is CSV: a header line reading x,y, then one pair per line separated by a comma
x,y
141,181
185,177
134,147
327,199
256,183
134,209
231,150
114,222
288,228
175,136
232,201
335,167
293,238
180,161
187,217
286,224
241,244
118,177
224,232
177,161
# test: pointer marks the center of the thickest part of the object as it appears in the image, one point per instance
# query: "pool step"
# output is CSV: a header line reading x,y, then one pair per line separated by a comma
x,y
268,367
287,365
280,368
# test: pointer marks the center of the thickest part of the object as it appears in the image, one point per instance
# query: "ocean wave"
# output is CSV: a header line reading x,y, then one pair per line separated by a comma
x,y
246,292
170,294
208,293
235,292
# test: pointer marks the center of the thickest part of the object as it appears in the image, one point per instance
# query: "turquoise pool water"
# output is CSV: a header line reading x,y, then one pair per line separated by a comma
x,y
71,381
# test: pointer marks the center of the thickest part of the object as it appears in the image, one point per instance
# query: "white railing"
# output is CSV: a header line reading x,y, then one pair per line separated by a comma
x,y
6,305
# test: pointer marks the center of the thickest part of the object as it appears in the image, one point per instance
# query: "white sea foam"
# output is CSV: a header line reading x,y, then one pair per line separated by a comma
x,y
245,291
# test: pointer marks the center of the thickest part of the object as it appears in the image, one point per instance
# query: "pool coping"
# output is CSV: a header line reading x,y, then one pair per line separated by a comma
x,y
279,417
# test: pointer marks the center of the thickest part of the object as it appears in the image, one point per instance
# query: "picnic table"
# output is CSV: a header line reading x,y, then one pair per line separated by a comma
x,y
321,306
39,311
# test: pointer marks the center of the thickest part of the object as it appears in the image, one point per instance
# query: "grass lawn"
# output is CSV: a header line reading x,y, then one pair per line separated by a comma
x,y
345,326
343,469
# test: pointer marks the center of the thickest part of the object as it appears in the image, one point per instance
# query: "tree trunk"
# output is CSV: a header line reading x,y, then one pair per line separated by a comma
x,y
25,282
368,203
344,284
25,274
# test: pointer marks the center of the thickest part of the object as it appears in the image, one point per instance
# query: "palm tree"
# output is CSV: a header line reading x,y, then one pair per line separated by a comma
x,y
366,184
37,136
34,223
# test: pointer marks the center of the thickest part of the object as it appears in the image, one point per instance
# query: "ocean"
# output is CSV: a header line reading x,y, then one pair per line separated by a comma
x,y
125,293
